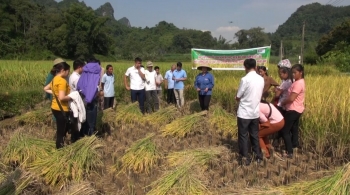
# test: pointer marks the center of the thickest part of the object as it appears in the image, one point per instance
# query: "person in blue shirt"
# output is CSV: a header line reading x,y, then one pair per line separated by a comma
x,y
179,76
204,84
169,85
107,86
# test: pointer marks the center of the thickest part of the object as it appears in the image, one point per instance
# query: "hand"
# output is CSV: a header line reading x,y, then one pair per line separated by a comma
x,y
127,88
198,89
101,93
174,79
206,89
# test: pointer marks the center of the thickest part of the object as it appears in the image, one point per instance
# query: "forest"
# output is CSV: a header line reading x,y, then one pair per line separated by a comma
x,y
43,29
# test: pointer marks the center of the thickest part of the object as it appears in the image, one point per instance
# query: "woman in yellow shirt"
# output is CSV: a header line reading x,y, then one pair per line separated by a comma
x,y
60,88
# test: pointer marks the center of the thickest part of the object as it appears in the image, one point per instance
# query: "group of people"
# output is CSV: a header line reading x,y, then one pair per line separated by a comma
x,y
257,118
76,98
79,96
146,85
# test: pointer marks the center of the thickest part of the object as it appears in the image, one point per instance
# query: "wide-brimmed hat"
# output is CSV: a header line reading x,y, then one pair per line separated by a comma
x,y
149,64
204,66
58,60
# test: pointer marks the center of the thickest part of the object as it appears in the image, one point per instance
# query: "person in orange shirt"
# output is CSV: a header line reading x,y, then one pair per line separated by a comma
x,y
59,88
294,105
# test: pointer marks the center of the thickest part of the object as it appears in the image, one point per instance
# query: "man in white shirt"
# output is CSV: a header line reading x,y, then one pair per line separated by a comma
x,y
74,77
137,87
249,95
152,101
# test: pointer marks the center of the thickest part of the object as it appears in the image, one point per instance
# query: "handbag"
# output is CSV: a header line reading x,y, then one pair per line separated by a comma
x,y
68,124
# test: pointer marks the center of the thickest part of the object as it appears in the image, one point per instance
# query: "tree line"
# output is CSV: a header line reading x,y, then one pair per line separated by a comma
x,y
42,29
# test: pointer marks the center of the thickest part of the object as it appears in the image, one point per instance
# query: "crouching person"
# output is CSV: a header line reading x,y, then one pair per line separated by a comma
x,y
271,121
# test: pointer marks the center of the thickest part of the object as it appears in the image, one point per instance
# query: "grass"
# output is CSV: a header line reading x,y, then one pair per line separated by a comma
x,y
141,157
70,163
184,126
23,150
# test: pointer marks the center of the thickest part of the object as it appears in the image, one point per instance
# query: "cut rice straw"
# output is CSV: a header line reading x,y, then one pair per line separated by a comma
x,y
142,156
83,188
129,113
223,122
184,126
163,116
17,182
70,163
22,149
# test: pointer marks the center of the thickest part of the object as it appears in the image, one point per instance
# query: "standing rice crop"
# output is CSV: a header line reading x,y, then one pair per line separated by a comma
x,y
223,122
184,126
23,149
70,163
140,157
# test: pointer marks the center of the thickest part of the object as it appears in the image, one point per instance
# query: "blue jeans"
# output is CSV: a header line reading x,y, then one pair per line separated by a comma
x,y
139,95
89,126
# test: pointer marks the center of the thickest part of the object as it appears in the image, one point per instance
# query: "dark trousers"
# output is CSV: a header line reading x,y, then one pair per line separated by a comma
x,y
152,101
61,127
171,96
108,102
248,127
290,131
204,101
139,95
75,133
88,127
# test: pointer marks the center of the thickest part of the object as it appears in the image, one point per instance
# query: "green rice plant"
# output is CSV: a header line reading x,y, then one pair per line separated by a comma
x,y
141,157
23,150
82,188
70,163
35,118
200,156
224,122
181,180
129,113
184,126
162,116
16,182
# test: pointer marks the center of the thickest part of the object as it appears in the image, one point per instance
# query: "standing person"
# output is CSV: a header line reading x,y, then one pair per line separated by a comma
x,y
248,95
107,86
152,100
271,121
88,85
48,80
204,84
159,81
137,87
101,96
281,92
294,105
269,81
74,77
59,89
179,76
169,85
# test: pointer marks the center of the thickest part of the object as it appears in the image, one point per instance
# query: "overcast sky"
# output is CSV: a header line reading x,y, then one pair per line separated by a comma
x,y
209,14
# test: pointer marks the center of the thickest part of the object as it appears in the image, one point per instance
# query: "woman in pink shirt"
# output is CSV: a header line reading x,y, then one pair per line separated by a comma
x,y
271,121
294,105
